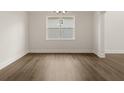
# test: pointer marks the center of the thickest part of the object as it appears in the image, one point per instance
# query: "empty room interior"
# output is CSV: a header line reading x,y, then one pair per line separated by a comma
x,y
61,46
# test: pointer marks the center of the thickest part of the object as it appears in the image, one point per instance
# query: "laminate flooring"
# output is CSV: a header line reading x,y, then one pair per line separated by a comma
x,y
65,67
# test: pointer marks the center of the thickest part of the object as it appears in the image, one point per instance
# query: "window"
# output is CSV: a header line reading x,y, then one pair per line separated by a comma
x,y
60,28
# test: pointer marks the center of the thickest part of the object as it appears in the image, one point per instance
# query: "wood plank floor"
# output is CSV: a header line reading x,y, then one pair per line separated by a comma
x,y
65,67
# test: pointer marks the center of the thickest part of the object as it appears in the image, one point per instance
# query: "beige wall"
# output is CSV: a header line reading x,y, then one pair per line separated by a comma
x,y
114,32
84,33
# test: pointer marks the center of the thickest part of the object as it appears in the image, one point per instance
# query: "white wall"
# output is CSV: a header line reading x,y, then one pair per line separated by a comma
x,y
114,32
13,36
84,33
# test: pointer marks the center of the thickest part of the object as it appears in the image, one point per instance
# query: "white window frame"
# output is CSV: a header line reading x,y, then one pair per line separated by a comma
x,y
60,38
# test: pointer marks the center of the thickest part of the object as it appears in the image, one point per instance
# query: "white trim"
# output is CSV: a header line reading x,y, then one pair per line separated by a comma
x,y
11,60
61,51
100,28
60,39
100,55
114,51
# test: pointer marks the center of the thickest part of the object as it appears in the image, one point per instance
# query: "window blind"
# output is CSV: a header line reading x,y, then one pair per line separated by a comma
x,y
60,28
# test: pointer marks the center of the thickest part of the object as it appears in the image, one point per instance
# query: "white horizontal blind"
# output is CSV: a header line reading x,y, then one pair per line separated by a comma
x,y
60,28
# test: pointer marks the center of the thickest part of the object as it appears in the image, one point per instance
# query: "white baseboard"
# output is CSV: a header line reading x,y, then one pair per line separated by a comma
x,y
100,55
114,51
61,51
11,60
